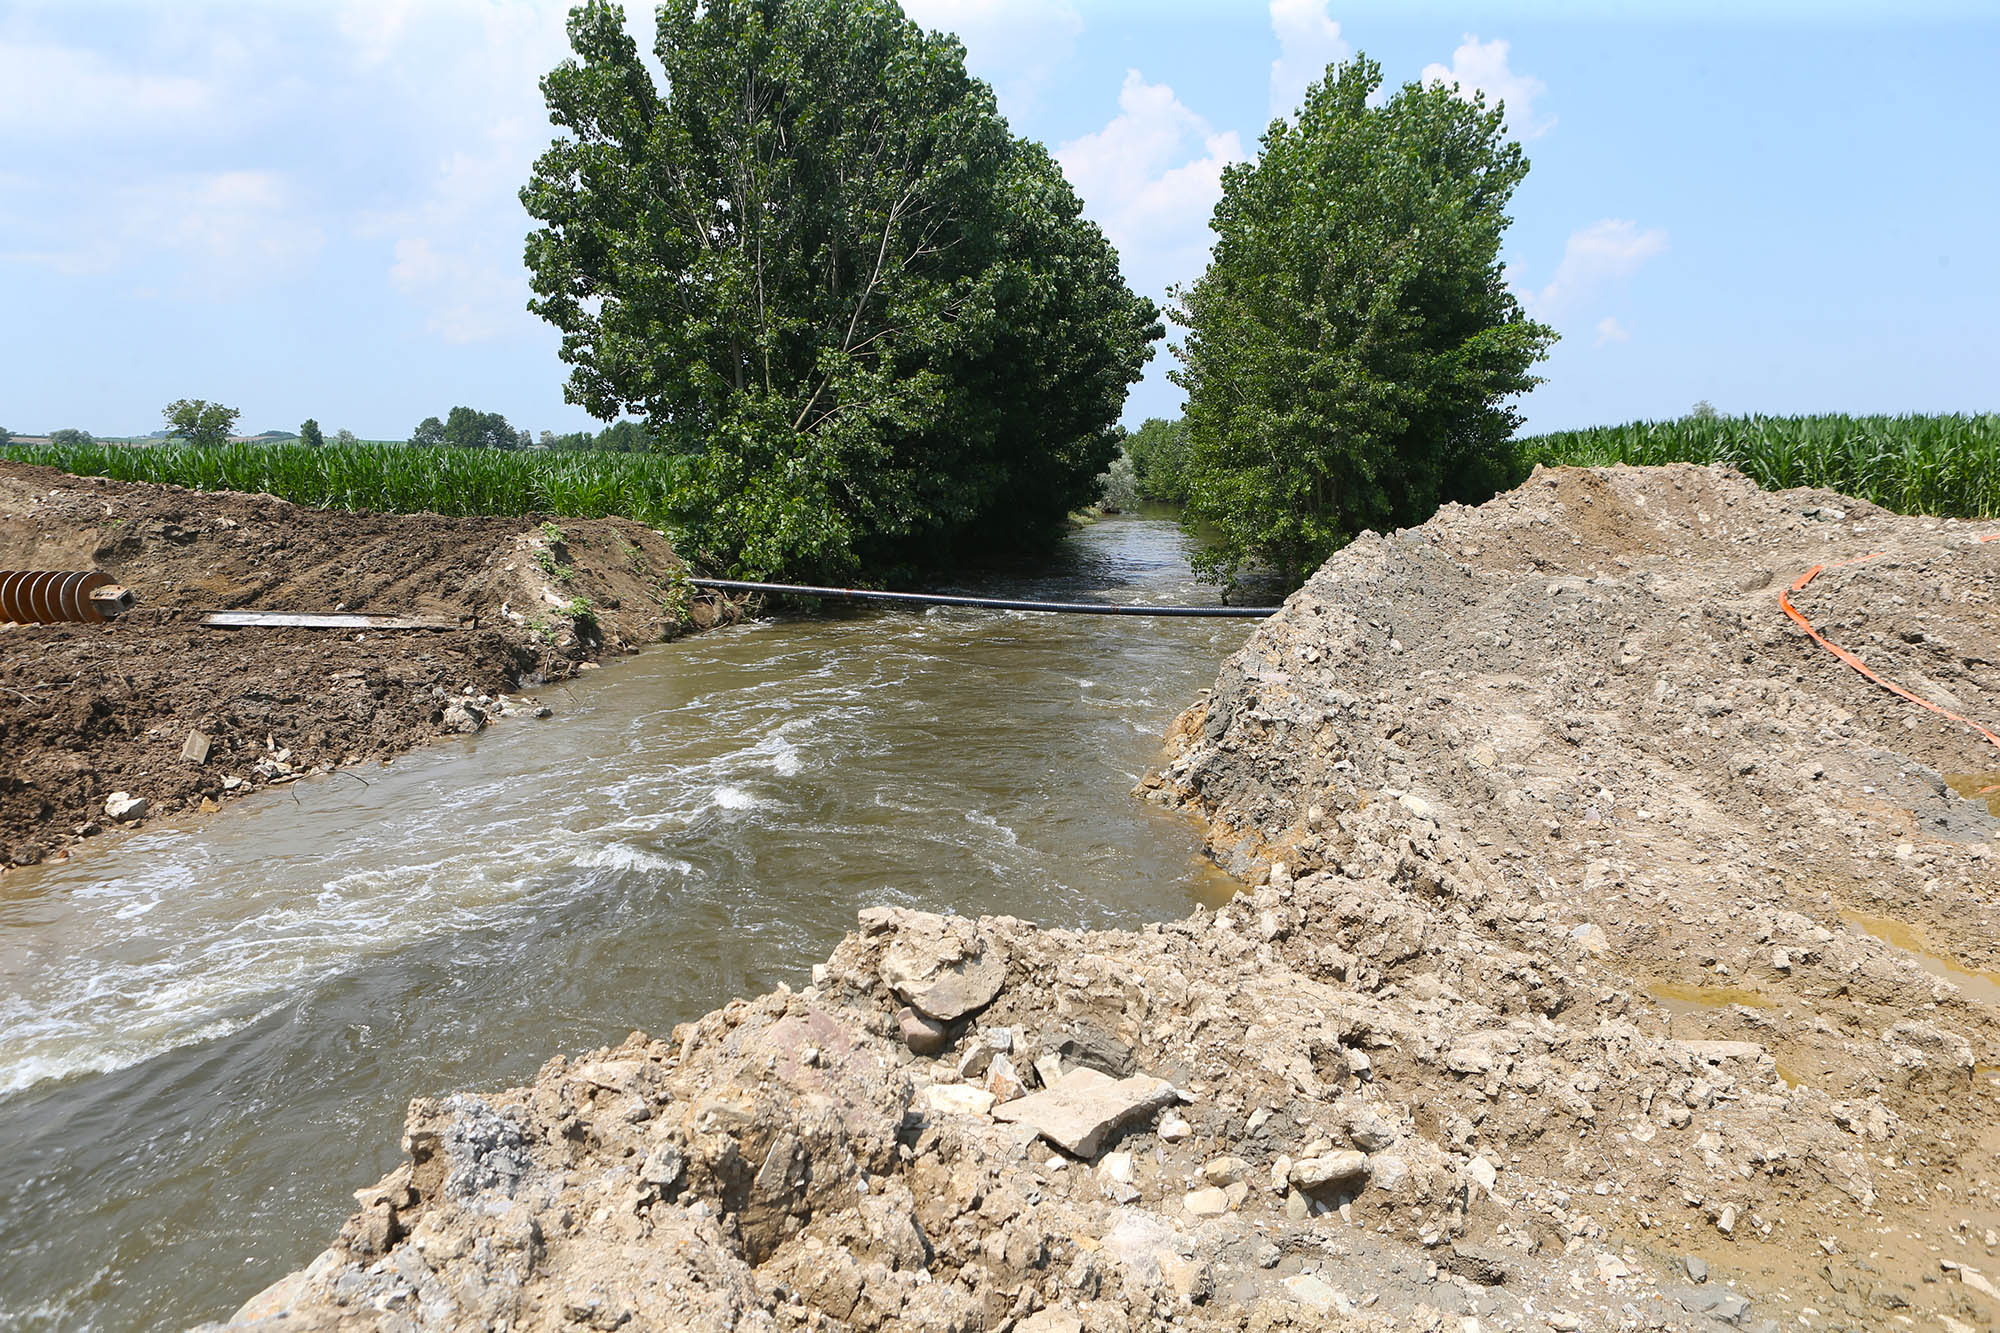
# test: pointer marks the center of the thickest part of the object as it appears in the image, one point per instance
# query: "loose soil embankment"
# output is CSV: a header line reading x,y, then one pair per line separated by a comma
x,y
1554,998
90,710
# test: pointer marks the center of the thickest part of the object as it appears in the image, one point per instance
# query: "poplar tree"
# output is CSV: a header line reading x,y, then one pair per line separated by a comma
x,y
817,263
1352,347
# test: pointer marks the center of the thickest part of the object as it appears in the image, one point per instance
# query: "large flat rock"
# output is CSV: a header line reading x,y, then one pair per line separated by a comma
x,y
1084,1107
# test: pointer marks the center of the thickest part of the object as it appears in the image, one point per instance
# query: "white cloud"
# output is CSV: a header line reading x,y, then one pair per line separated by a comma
x,y
1015,45
1150,178
1481,67
240,220
1308,41
65,93
234,228
1595,257
468,296
373,28
1609,330
468,70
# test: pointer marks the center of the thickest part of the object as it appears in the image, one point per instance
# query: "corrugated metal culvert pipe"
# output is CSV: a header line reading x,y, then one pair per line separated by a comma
x,y
49,597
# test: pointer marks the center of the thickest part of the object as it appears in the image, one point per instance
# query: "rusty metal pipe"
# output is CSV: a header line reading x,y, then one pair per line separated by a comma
x,y
49,597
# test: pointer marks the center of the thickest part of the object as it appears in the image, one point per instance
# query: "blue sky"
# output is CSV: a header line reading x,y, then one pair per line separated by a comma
x,y
308,210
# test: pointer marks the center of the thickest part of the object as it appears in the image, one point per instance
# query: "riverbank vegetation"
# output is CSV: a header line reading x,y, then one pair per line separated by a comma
x,y
817,259
1353,348
1946,464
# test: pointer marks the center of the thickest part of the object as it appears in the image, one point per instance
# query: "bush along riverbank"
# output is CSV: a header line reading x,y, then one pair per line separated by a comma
x,y
1556,996
107,726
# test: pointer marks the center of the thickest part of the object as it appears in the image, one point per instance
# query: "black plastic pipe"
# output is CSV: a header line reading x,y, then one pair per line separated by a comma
x,y
992,603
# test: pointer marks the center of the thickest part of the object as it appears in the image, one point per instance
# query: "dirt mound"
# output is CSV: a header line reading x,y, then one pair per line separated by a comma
x,y
1539,1011
1664,783
89,711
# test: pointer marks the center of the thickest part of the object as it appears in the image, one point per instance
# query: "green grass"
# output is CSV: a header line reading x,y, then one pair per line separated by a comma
x,y
399,478
1946,465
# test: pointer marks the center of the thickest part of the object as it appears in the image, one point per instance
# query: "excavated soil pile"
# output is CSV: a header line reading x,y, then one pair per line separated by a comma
x,y
1554,999
87,711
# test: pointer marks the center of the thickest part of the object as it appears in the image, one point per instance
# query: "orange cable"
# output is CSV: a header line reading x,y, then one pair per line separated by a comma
x,y
1785,601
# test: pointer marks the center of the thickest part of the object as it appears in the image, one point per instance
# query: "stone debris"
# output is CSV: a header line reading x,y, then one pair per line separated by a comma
x,y
195,748
1343,1168
923,1034
958,1099
1084,1107
941,967
125,807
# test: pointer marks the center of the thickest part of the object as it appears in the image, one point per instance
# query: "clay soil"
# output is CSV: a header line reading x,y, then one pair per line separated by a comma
x,y
90,710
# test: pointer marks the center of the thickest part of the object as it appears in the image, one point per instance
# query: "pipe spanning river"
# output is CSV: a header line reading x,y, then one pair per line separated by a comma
x,y
208,1035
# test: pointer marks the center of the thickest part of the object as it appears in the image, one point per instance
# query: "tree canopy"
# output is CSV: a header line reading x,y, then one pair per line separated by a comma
x,y
1351,346
819,261
1159,454
309,434
200,422
465,428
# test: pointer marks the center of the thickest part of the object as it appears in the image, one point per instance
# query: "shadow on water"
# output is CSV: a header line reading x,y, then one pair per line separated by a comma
x,y
208,1038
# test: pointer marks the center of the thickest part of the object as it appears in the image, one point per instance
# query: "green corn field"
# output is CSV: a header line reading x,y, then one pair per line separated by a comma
x,y
398,478
1945,465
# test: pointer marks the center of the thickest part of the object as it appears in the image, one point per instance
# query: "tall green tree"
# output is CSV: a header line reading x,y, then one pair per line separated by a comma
x,y
1352,347
1159,454
200,422
69,437
818,259
467,428
309,434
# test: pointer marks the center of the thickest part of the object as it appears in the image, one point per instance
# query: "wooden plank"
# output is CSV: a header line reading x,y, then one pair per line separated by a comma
x,y
294,620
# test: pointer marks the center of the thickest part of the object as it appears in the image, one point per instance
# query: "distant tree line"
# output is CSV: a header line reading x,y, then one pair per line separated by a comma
x,y
1159,454
466,428
620,437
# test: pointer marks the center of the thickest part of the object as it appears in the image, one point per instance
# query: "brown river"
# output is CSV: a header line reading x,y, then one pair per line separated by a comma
x,y
208,1035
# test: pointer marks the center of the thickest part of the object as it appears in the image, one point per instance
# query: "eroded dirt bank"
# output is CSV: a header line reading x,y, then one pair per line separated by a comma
x,y
1550,1002
87,711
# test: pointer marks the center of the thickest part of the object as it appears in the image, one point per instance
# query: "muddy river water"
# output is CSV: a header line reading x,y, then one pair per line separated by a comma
x,y
208,1035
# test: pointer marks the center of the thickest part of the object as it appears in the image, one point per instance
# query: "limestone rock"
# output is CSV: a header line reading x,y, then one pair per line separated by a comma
x,y
958,1099
942,967
1342,1168
125,807
1086,1107
1208,1202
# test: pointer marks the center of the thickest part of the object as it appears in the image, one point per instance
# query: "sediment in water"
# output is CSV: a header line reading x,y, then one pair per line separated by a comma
x,y
1485,781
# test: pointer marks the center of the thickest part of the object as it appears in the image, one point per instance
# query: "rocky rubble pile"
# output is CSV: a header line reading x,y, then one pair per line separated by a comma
x,y
1206,1122
1538,1008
